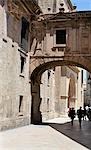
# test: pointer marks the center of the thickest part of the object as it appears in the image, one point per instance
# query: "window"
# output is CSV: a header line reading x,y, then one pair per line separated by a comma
x,y
24,33
2,2
49,9
21,104
61,4
49,74
22,63
60,36
82,76
47,104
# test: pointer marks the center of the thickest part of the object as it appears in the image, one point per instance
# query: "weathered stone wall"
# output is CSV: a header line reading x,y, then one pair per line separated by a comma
x,y
13,84
45,4
47,90
14,28
62,81
54,6
55,91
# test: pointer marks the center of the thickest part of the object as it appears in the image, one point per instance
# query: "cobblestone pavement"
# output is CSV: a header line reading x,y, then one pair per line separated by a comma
x,y
46,137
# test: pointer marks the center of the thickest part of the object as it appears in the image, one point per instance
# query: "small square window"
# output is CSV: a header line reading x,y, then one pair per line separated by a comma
x,y
49,74
22,64
49,9
60,36
21,104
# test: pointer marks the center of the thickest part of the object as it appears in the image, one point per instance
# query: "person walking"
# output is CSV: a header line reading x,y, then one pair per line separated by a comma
x,y
71,115
85,113
79,114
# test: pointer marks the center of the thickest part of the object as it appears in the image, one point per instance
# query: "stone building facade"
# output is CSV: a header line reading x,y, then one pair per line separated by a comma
x,y
54,6
15,31
16,38
60,91
87,90
59,88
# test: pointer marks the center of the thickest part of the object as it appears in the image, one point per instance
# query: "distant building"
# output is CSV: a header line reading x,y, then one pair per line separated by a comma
x,y
87,94
59,91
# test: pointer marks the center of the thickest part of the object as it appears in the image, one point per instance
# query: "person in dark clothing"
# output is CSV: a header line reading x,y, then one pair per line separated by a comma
x,y
89,114
71,115
79,114
84,113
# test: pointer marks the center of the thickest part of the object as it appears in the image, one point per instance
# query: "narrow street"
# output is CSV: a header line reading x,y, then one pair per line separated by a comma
x,y
55,136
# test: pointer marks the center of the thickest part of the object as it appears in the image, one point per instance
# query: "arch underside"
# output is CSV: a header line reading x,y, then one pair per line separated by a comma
x,y
49,63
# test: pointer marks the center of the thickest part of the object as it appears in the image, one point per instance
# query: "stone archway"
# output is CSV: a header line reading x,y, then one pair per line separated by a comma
x,y
36,116
46,53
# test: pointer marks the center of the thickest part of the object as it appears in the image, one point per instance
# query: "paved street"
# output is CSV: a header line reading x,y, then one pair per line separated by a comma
x,y
55,136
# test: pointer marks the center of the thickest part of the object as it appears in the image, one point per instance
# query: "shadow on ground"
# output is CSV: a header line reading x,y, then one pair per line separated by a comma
x,y
82,136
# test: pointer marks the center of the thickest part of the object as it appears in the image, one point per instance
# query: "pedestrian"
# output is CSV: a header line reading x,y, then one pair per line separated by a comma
x,y
85,113
89,113
71,114
79,114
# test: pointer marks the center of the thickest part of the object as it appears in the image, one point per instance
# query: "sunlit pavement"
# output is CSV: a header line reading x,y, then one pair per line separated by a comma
x,y
42,137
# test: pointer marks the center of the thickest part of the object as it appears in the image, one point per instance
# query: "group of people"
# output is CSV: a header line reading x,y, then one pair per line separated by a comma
x,y
81,114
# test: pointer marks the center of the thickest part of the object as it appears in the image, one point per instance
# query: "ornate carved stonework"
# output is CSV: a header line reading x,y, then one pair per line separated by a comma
x,y
85,39
18,9
13,9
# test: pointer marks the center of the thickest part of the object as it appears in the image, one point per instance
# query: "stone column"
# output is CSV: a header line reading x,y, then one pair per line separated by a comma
x,y
36,116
